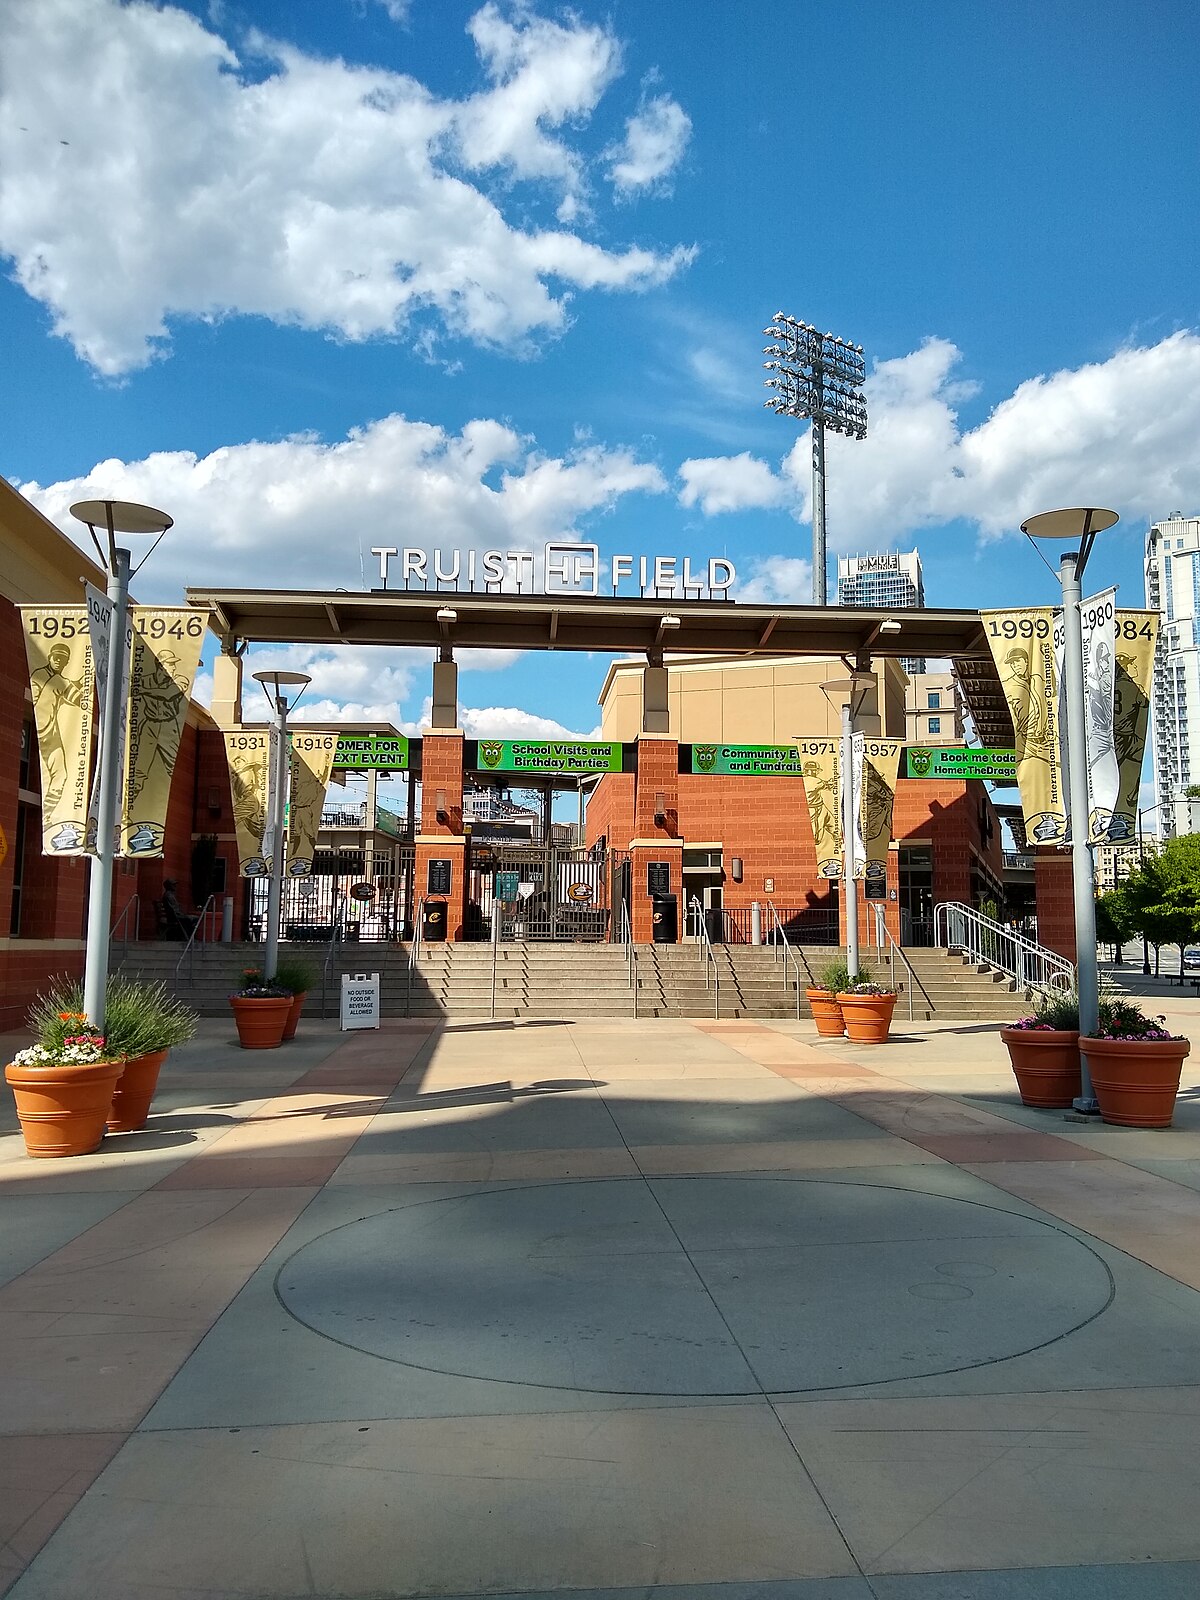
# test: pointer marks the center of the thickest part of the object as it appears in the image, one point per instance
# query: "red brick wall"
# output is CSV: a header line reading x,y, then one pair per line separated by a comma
x,y
442,769
1055,894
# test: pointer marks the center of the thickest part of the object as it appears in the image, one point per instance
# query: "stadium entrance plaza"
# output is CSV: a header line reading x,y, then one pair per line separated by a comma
x,y
611,1308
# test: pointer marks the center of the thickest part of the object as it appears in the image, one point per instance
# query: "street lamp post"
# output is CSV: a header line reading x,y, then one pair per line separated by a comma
x,y
1080,524
112,517
277,686
820,377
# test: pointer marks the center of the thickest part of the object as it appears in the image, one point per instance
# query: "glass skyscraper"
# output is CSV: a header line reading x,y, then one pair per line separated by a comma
x,y
892,580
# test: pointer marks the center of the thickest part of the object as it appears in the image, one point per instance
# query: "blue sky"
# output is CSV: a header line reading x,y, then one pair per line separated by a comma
x,y
320,277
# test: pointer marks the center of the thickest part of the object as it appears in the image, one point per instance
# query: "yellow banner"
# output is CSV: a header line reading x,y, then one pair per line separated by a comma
x,y
166,653
1022,646
59,652
312,762
820,764
876,797
248,753
1137,636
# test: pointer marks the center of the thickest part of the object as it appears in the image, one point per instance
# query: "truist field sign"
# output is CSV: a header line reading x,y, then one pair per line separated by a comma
x,y
560,568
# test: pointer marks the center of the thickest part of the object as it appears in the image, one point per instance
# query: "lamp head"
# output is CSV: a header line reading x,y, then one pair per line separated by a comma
x,y
278,686
1074,522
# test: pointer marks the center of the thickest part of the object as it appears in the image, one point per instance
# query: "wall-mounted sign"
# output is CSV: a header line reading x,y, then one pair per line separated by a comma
x,y
438,876
362,891
507,885
937,761
747,760
550,755
561,567
372,752
658,877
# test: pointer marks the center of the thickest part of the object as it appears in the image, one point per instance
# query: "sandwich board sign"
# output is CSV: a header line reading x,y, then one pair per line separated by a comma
x,y
360,1000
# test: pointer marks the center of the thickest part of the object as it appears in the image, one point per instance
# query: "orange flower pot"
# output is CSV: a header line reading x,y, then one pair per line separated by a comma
x,y
134,1092
1136,1080
1045,1063
63,1108
260,1023
827,1014
297,1006
868,1016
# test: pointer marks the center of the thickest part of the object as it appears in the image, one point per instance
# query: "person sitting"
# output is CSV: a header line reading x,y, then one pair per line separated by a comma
x,y
180,924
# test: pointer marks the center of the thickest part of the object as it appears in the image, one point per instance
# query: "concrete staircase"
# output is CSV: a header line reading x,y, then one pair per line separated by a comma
x,y
581,980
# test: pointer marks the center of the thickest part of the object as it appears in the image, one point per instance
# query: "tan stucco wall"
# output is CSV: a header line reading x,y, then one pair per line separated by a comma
x,y
770,700
37,562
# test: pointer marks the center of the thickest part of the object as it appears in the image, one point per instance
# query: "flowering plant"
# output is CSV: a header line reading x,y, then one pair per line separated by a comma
x,y
83,1047
867,988
1122,1020
255,987
1055,1010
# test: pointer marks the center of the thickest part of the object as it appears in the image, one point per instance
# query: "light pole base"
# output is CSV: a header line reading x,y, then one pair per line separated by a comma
x,y
1088,1104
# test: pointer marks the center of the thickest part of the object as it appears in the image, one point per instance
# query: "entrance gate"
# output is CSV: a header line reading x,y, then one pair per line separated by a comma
x,y
545,892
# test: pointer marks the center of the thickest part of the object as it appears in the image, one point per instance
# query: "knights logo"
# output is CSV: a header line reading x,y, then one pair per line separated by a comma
x,y
706,756
491,751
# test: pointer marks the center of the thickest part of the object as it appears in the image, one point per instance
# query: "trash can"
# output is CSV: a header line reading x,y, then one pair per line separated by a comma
x,y
714,924
433,921
665,918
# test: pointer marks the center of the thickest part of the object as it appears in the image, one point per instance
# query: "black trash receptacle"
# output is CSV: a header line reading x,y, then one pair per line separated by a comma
x,y
665,918
433,921
714,923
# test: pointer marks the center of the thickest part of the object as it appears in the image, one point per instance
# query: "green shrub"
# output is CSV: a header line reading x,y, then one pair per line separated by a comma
x,y
297,977
139,1015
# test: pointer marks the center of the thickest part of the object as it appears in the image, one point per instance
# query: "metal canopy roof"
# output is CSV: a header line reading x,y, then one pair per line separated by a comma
x,y
607,625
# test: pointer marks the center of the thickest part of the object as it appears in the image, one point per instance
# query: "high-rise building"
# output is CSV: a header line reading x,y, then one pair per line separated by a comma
x,y
892,579
1173,588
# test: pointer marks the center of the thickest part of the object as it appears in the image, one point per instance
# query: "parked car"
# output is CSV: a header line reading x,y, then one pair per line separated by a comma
x,y
1191,961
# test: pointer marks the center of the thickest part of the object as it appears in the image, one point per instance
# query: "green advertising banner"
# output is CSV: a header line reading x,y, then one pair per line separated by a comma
x,y
550,755
959,761
372,752
748,760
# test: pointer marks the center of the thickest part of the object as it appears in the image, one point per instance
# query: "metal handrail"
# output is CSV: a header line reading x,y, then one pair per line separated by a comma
x,y
988,943
495,949
882,933
196,936
704,946
781,938
630,953
132,904
414,955
335,938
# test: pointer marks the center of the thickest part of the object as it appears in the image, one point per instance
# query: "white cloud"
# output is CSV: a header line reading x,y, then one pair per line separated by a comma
x,y
785,579
1120,432
729,483
149,173
655,140
302,513
510,722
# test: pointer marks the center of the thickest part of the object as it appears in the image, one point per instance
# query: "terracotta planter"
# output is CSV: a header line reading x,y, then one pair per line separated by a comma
x,y
868,1016
1045,1062
63,1108
260,1023
134,1092
1136,1080
827,1014
297,1006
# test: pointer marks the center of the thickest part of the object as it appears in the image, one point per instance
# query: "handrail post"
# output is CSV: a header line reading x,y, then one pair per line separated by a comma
x,y
495,947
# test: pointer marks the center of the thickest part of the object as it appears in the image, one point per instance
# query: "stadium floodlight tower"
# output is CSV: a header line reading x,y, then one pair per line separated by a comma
x,y
818,376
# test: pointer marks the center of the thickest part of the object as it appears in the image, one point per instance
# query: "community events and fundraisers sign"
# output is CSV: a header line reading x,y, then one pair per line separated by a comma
x,y
747,760
61,679
1136,638
989,765
550,755
248,753
1022,646
313,756
165,656
371,752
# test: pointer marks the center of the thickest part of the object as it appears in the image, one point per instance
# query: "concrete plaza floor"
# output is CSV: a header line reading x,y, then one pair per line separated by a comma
x,y
621,1309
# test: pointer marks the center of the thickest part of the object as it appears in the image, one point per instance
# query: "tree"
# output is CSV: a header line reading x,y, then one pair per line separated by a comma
x,y
1164,893
1115,920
